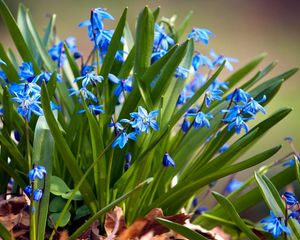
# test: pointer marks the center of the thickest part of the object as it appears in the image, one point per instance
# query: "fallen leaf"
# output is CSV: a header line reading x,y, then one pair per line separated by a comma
x,y
114,223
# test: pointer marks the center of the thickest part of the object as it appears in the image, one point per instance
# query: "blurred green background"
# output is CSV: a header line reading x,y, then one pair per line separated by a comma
x,y
243,29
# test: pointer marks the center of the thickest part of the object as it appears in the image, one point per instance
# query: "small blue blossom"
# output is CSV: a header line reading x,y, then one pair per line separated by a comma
x,y
143,120
201,35
45,76
239,95
239,123
95,109
295,214
224,148
3,76
17,135
37,195
85,93
253,107
181,73
161,39
275,225
290,198
28,190
185,95
157,54
26,72
90,78
233,185
37,172
200,210
291,162
28,104
185,125
123,85
217,85
201,60
123,139
127,161
219,59
211,96
168,161
201,119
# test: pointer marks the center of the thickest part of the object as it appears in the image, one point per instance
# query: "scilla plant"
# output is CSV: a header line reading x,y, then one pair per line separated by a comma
x,y
141,122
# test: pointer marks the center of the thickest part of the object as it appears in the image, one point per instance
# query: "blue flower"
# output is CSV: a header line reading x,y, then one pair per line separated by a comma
x,y
185,125
185,95
295,214
200,210
157,54
201,60
275,225
168,161
127,161
95,109
239,95
161,39
290,198
233,185
239,123
90,78
26,72
211,96
201,35
37,172
201,119
253,107
37,195
219,59
85,93
291,162
217,85
28,190
181,73
45,76
123,139
123,85
28,104
224,148
3,76
142,120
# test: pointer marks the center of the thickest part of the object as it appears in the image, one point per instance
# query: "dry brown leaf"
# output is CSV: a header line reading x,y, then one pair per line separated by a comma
x,y
114,223
148,226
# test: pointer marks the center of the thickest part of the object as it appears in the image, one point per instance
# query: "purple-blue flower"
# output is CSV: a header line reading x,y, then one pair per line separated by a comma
x,y
168,161
201,119
185,125
28,190
181,73
85,93
123,139
212,95
37,172
161,39
290,198
95,109
239,123
239,95
123,85
26,72
253,106
142,120
219,59
37,195
201,60
233,185
275,225
201,35
90,78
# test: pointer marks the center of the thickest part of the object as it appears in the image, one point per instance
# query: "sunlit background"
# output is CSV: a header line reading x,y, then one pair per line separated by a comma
x,y
243,29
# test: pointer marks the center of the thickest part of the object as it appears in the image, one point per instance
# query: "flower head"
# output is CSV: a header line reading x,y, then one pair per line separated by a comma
x,y
144,120
233,185
123,85
201,119
161,39
28,190
201,35
37,172
26,72
90,78
211,96
290,199
37,195
201,60
275,225
123,139
219,59
168,161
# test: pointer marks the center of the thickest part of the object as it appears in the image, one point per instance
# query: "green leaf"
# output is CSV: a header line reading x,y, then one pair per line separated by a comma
x,y
41,49
49,30
88,223
72,62
183,25
297,165
156,13
58,186
271,196
143,41
54,217
8,69
57,204
182,230
5,234
43,149
65,151
17,35
145,93
229,208
167,72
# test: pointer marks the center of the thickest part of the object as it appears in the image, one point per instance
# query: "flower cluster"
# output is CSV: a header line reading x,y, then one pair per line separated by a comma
x,y
244,108
27,93
141,121
36,173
